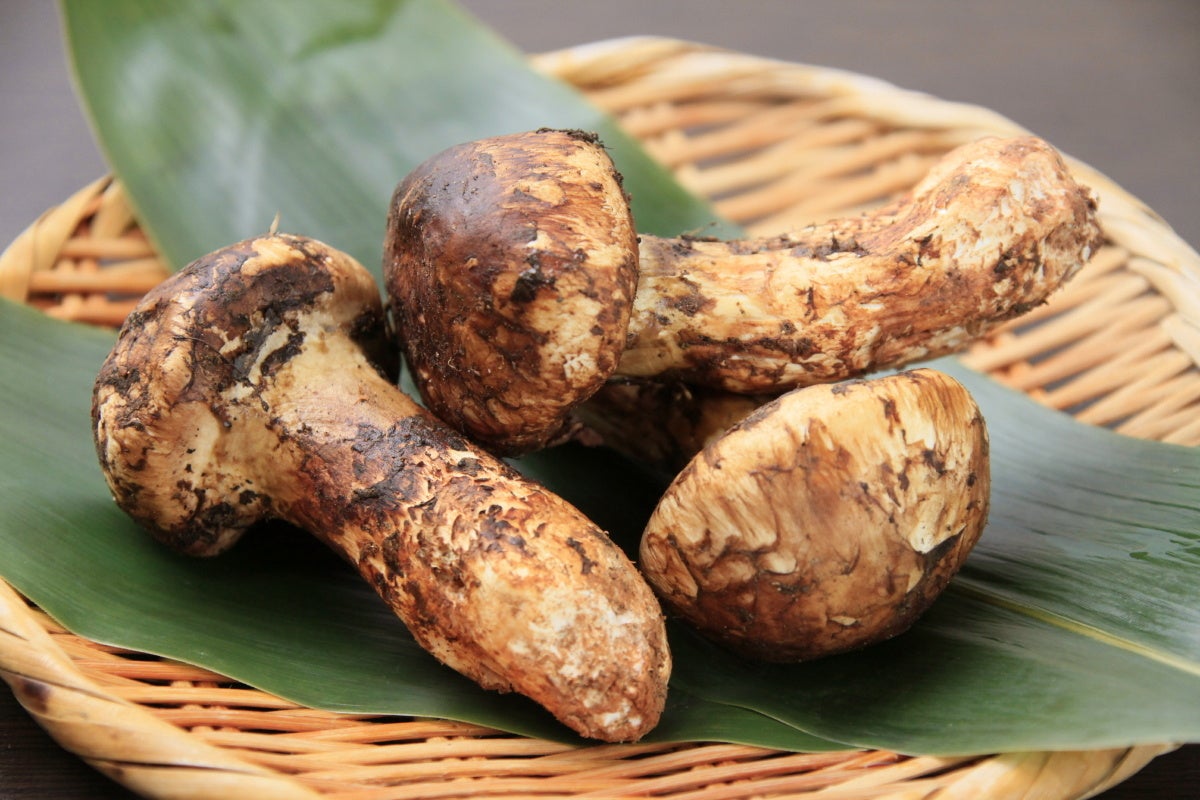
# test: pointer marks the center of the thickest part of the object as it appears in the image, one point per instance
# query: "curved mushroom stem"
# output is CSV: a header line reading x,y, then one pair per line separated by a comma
x,y
988,234
828,519
241,389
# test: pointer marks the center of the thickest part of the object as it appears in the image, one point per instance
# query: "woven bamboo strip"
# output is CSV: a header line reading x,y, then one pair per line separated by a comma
x,y
85,260
389,730
650,121
830,198
39,246
751,133
1108,376
1169,413
1094,318
135,276
1093,348
1186,432
797,153
106,249
117,737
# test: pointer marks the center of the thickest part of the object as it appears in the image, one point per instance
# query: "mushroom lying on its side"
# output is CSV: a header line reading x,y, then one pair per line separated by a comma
x,y
243,388
826,520
520,285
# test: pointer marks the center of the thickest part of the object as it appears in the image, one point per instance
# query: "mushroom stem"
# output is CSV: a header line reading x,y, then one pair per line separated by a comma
x,y
243,389
988,234
660,424
513,270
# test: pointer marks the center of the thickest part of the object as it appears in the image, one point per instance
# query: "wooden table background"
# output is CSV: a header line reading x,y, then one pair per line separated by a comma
x,y
1113,82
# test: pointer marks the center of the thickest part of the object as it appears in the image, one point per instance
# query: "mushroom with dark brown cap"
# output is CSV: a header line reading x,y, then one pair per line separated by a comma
x,y
243,388
519,284
828,519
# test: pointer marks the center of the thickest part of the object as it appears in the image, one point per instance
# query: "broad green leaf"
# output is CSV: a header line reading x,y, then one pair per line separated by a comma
x,y
1074,624
279,611
1007,660
219,115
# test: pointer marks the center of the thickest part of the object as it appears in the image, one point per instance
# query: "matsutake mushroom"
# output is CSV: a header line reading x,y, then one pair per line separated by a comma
x,y
828,519
245,387
519,283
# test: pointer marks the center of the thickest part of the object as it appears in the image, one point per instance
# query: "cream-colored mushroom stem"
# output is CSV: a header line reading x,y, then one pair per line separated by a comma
x,y
828,519
242,390
992,231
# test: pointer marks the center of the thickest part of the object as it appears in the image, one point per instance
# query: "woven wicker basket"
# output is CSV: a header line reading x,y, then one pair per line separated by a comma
x,y
775,145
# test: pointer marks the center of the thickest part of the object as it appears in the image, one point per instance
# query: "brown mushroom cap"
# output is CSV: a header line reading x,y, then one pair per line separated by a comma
x,y
829,519
192,361
511,265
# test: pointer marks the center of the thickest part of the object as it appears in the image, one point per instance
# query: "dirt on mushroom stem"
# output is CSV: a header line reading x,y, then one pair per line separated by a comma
x,y
241,389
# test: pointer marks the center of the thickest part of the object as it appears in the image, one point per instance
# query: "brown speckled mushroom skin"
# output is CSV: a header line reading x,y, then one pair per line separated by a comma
x,y
989,233
245,388
518,288
511,273
660,424
827,520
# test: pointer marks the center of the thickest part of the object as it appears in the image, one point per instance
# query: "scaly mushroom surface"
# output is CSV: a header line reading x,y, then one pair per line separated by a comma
x,y
245,387
519,285
511,266
828,519
661,425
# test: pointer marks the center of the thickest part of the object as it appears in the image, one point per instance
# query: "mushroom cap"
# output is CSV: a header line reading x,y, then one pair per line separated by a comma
x,y
829,519
511,265
181,407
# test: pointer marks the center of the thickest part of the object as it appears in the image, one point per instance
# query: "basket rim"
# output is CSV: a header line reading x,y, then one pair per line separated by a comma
x,y
126,741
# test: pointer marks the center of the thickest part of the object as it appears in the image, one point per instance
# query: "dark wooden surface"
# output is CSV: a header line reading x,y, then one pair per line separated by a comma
x,y
1113,82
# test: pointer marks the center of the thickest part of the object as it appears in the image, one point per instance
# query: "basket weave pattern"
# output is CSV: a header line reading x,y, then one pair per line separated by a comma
x,y
775,146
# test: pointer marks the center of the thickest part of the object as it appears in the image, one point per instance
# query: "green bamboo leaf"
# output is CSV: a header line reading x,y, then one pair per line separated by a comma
x,y
279,612
219,115
1075,623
